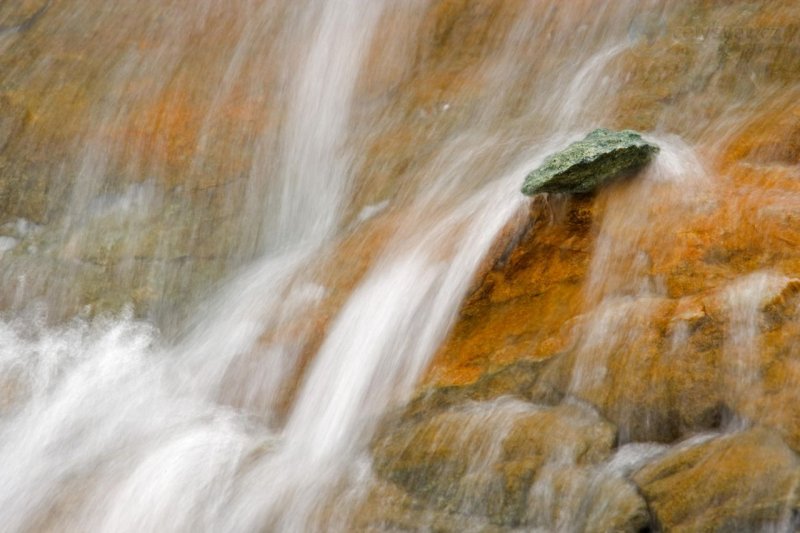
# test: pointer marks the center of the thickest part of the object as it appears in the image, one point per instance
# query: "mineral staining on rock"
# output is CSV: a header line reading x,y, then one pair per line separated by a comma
x,y
586,164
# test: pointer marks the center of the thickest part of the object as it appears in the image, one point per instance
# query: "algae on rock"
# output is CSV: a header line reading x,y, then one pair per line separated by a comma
x,y
586,164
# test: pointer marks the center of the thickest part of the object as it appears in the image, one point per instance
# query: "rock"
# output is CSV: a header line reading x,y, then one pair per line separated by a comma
x,y
483,458
688,71
654,376
589,499
585,165
387,507
668,367
741,482
22,14
519,379
520,307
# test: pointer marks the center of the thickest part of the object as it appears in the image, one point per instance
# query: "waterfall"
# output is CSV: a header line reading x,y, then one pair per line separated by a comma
x,y
261,225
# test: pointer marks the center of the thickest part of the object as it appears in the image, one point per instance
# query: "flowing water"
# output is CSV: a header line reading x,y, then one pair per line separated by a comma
x,y
248,132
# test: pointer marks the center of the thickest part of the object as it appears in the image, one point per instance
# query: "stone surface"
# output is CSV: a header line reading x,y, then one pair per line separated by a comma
x,y
740,482
625,299
585,165
483,458
388,507
20,15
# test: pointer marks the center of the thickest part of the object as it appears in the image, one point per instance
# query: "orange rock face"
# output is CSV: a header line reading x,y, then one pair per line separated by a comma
x,y
628,292
670,301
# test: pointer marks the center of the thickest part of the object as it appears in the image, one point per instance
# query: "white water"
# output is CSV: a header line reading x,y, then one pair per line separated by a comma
x,y
315,172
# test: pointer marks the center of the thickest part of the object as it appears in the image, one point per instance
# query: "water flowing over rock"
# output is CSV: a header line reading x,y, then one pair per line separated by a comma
x,y
585,165
739,482
490,459
265,266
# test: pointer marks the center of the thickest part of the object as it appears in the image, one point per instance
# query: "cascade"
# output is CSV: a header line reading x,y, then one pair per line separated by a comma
x,y
267,267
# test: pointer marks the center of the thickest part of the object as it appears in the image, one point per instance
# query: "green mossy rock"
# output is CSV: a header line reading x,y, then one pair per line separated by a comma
x,y
586,164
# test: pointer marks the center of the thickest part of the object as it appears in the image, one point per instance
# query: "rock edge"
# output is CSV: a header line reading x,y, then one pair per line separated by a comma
x,y
586,164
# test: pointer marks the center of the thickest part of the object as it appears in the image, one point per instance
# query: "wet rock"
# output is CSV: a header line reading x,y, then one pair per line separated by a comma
x,y
693,61
667,371
522,307
586,164
648,372
661,369
741,482
658,348
12,119
519,379
388,507
564,498
483,458
20,15
586,499
563,436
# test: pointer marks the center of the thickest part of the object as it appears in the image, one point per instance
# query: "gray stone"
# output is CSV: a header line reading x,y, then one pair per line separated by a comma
x,y
586,164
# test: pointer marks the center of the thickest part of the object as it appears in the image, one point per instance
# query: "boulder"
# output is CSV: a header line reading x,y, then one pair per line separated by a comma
x,y
740,482
482,458
586,164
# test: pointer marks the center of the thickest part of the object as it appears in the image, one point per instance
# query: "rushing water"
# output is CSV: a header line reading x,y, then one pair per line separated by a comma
x,y
252,415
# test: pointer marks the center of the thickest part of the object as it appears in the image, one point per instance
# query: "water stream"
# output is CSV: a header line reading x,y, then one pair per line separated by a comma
x,y
245,410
